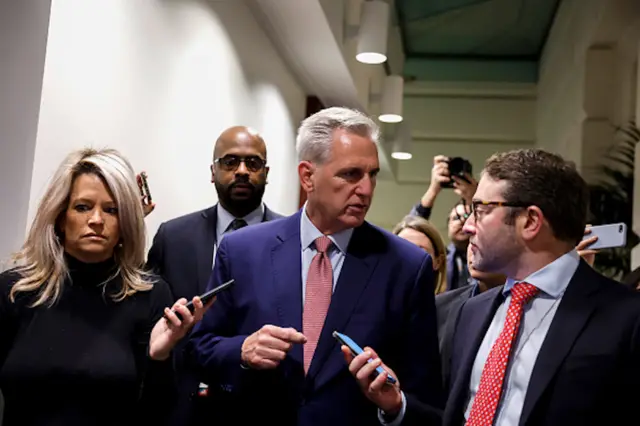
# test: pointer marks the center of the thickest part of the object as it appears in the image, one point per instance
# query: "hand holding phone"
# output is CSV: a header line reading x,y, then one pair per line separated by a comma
x,y
143,186
357,350
206,297
609,236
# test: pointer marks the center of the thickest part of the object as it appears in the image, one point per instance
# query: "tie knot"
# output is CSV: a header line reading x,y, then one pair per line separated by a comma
x,y
322,244
237,224
523,292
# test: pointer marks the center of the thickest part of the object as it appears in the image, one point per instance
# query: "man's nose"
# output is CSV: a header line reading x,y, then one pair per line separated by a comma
x,y
242,169
469,226
365,187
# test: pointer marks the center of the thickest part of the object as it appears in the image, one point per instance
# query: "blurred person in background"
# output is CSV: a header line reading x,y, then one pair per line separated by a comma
x,y
440,175
85,334
457,272
448,307
426,236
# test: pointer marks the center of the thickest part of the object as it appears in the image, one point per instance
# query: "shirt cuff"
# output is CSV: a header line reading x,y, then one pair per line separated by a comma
x,y
422,211
386,421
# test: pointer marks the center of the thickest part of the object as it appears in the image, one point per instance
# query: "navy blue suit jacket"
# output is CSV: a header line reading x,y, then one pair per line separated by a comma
x,y
182,254
588,369
383,299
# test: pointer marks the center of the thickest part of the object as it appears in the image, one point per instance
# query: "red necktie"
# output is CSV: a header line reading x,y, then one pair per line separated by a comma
x,y
317,298
485,404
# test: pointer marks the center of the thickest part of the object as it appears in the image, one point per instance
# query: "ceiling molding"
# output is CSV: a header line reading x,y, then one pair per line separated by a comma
x,y
331,78
474,138
460,89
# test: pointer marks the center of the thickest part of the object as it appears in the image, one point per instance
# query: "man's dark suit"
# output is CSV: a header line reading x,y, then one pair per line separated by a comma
x,y
383,299
182,254
587,371
448,305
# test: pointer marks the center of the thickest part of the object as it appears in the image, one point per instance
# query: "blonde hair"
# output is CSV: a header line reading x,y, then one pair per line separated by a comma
x,y
430,231
41,259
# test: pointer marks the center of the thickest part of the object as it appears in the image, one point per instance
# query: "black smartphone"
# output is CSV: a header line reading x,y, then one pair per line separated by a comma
x,y
144,186
206,297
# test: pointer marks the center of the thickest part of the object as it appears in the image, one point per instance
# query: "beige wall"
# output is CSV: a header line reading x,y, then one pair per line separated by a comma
x,y
471,120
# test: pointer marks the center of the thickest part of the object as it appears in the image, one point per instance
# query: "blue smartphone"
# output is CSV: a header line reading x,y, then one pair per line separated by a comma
x,y
357,350
609,236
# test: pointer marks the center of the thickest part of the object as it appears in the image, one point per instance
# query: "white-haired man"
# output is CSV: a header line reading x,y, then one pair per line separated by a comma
x,y
268,340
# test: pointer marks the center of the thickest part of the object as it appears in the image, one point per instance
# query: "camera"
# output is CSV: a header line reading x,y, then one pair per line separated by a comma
x,y
458,166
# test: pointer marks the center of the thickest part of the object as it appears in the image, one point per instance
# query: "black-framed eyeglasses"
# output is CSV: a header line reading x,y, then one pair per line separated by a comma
x,y
230,162
476,203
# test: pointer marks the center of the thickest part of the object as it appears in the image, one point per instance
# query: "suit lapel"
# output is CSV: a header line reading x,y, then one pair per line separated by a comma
x,y
204,250
474,325
286,260
574,311
355,275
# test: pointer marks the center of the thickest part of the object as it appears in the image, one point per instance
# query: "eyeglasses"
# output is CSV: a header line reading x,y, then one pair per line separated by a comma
x,y
476,203
231,163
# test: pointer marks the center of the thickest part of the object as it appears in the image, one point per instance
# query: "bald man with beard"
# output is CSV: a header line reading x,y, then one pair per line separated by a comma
x,y
184,248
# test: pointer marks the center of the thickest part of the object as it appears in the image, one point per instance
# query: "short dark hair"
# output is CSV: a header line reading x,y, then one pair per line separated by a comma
x,y
539,178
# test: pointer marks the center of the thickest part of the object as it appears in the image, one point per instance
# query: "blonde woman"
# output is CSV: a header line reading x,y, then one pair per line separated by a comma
x,y
423,234
85,334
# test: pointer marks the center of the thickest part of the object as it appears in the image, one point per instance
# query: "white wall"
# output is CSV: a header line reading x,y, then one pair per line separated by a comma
x,y
159,80
23,38
587,79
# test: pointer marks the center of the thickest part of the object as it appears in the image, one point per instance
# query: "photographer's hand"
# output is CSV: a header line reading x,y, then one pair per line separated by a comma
x,y
465,189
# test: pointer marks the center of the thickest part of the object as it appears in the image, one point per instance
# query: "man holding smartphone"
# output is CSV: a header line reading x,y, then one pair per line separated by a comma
x,y
183,249
269,339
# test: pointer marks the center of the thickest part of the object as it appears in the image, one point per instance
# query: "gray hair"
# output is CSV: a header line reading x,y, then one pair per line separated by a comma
x,y
315,135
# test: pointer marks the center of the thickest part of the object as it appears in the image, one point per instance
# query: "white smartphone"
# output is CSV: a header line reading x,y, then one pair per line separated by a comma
x,y
609,236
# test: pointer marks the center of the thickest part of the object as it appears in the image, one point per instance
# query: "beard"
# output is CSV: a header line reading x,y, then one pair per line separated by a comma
x,y
240,204
494,258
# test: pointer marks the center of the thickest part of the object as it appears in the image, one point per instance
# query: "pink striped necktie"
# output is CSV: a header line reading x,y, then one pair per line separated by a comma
x,y
485,404
317,298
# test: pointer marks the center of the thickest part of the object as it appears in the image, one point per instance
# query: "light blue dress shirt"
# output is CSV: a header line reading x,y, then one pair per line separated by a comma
x,y
552,281
224,220
336,252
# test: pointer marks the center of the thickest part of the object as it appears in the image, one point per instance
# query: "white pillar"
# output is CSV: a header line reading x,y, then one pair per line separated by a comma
x,y
23,40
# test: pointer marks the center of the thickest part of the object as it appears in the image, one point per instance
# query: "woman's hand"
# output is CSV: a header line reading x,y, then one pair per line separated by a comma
x,y
170,329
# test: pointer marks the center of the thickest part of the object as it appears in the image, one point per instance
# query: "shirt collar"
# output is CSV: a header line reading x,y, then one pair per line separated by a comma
x,y
554,278
309,233
225,218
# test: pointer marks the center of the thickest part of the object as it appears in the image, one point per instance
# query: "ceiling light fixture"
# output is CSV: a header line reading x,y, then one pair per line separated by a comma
x,y
372,34
392,99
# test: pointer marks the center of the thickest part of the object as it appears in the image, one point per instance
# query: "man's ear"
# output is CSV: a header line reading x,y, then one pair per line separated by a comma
x,y
531,223
306,170
266,175
213,174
